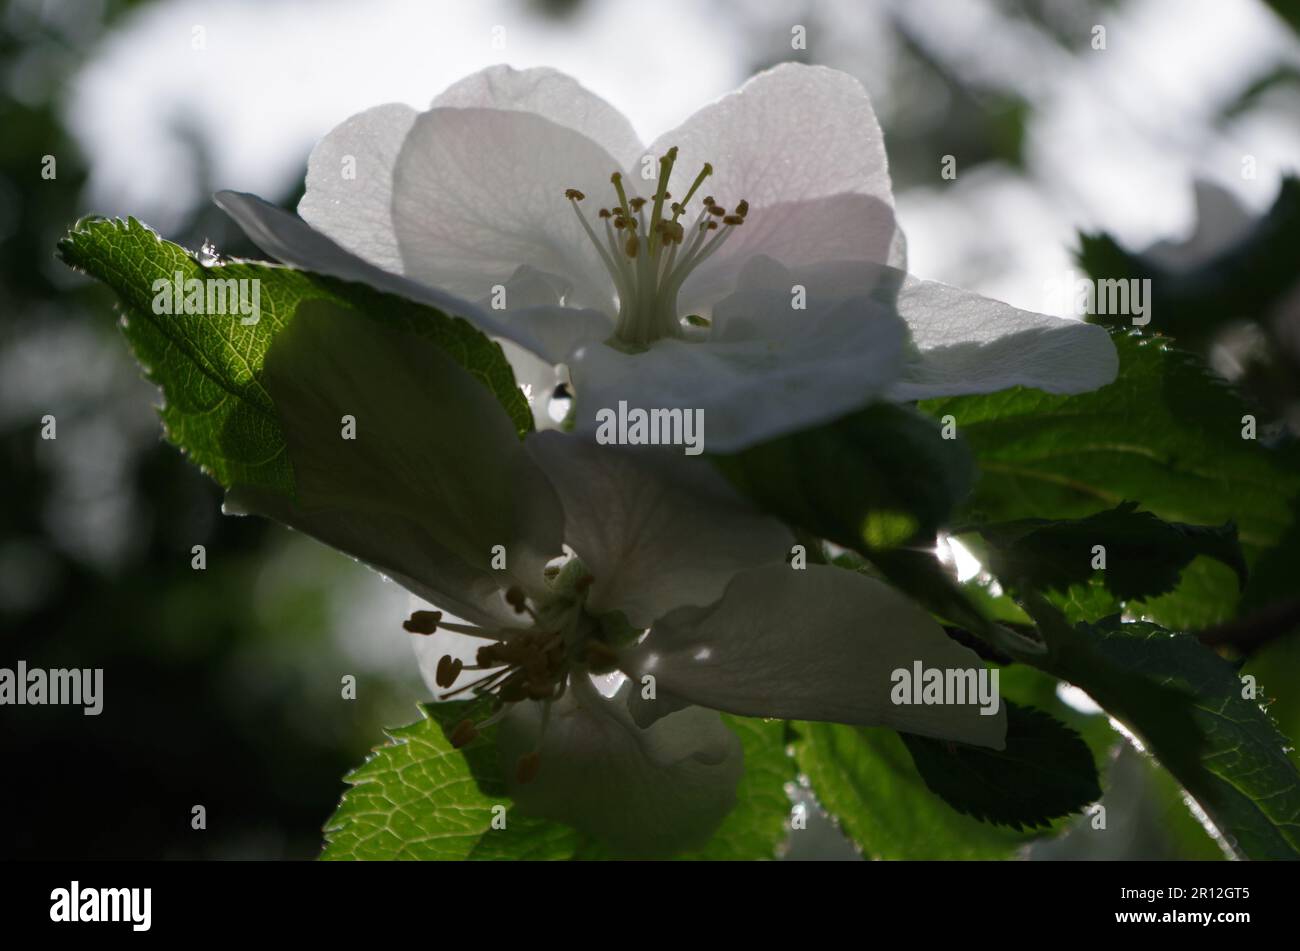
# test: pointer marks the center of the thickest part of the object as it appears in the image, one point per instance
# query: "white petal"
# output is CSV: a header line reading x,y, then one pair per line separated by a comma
x,y
960,342
292,241
769,369
898,250
539,295
656,530
552,95
477,192
554,333
649,792
549,331
435,476
814,644
527,287
971,344
397,547
802,145
532,302
349,194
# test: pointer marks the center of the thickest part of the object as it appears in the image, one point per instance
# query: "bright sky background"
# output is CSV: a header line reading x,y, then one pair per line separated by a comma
x,y
1117,139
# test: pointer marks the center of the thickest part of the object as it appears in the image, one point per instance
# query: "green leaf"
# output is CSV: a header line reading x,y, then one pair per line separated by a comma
x,y
1185,703
209,365
1187,837
416,797
1046,772
527,838
866,779
1145,555
873,480
1287,11
1272,576
1165,432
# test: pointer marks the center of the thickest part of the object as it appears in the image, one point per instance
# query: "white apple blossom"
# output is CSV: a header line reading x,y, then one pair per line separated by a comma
x,y
671,582
755,271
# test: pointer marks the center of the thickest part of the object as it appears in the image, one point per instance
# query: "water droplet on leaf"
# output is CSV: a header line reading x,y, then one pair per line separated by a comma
x,y
208,255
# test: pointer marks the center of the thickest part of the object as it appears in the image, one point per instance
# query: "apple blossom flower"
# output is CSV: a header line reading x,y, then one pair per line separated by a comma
x,y
747,263
673,601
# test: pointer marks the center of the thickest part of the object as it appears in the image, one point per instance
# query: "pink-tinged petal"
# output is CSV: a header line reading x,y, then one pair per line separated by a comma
x,y
802,145
349,195
552,95
478,192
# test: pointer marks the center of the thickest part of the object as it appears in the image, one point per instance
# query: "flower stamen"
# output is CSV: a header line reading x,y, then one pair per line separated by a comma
x,y
646,259
524,664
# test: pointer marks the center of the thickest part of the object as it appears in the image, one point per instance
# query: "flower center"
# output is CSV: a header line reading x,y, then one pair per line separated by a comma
x,y
650,256
524,663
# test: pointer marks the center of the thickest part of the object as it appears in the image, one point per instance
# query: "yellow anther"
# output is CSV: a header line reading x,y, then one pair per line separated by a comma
x,y
423,622
464,734
648,230
573,194
527,767
449,669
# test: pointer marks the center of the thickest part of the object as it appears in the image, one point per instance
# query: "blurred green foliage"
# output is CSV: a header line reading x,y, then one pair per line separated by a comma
x,y
222,688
